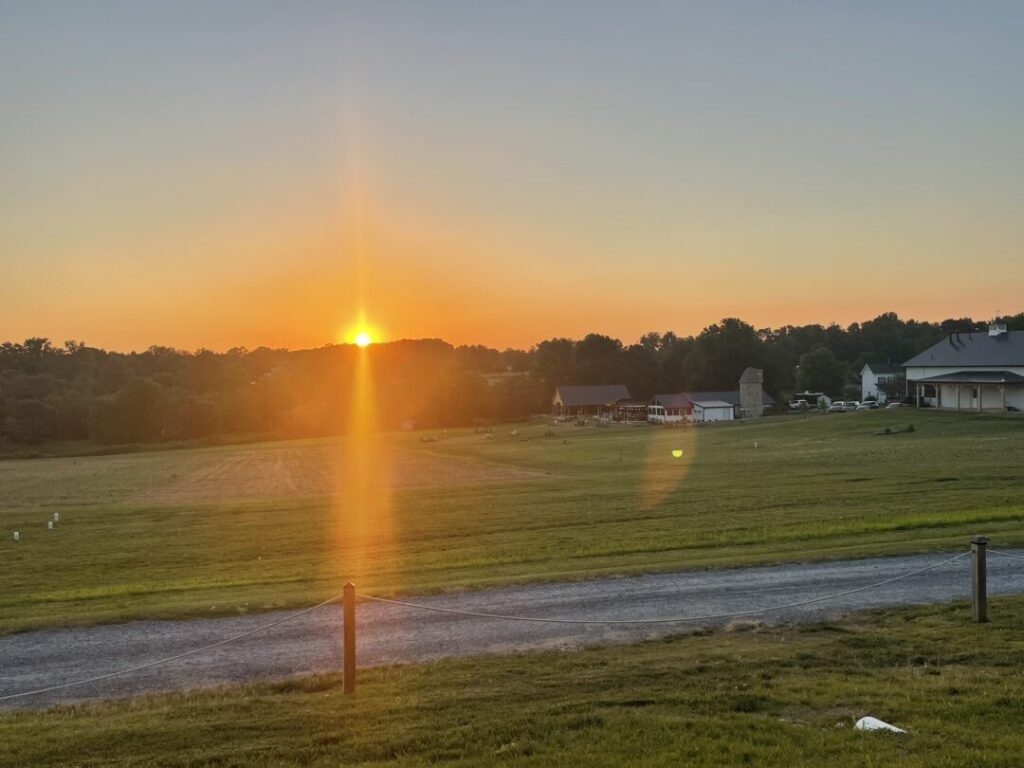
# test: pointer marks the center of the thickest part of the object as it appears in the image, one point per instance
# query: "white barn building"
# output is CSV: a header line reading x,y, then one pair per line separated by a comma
x,y
690,406
973,371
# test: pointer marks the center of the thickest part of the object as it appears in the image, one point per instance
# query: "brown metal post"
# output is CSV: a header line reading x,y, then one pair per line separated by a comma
x,y
979,578
349,631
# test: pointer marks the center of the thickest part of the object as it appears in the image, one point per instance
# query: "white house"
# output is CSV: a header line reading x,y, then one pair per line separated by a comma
x,y
971,371
873,374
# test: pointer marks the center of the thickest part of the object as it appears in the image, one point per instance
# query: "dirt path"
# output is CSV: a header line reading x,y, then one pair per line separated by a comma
x,y
392,634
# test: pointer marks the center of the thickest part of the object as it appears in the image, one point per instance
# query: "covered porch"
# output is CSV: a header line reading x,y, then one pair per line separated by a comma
x,y
971,391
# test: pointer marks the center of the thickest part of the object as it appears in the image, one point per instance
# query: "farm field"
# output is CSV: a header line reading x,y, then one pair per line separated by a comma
x,y
251,527
779,696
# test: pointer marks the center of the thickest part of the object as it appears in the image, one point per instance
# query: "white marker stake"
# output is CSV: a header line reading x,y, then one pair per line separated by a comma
x,y
49,524
56,517
17,536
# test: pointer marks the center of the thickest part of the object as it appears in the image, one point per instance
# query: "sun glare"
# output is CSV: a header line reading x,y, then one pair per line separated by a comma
x,y
362,339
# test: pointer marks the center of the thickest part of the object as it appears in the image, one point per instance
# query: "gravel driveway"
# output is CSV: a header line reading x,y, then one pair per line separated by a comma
x,y
391,634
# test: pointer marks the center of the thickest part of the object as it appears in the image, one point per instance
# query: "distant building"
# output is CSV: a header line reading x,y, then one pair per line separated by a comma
x,y
752,395
588,399
668,409
630,410
749,401
974,371
874,374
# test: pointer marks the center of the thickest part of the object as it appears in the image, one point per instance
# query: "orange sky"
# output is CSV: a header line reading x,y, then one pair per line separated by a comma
x,y
248,176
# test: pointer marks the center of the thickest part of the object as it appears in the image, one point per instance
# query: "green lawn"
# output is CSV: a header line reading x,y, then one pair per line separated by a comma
x,y
243,528
782,696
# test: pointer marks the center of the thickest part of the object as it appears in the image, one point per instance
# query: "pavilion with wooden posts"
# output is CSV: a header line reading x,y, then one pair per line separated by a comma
x,y
577,400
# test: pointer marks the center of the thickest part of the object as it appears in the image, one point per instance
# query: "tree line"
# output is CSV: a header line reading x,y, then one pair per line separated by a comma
x,y
77,392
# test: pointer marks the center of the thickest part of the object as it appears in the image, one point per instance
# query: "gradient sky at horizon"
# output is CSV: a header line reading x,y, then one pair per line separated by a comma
x,y
256,173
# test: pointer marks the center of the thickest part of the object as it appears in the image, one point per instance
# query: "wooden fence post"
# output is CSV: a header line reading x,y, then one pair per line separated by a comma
x,y
349,632
979,580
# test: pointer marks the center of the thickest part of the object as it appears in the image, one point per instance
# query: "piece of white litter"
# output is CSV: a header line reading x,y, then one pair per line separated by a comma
x,y
17,536
874,724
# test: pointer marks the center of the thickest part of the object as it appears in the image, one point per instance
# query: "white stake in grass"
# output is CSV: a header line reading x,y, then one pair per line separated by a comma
x,y
56,517
49,524
17,536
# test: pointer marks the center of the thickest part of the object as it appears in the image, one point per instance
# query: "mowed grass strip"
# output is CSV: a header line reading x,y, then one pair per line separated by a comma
x,y
576,503
767,696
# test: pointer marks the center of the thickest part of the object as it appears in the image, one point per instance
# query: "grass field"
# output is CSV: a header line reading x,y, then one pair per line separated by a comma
x,y
243,528
781,696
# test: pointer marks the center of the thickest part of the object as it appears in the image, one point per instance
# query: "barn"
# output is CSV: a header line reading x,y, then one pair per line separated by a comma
x,y
700,407
749,401
693,406
588,399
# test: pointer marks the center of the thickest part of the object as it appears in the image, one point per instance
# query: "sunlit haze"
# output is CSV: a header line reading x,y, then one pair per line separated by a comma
x,y
253,173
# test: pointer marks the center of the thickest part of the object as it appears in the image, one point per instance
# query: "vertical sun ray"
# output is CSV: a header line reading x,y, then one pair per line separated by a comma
x,y
361,504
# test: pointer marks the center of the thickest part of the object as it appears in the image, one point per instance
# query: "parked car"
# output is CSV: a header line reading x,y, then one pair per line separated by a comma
x,y
867,405
896,404
798,405
852,405
838,406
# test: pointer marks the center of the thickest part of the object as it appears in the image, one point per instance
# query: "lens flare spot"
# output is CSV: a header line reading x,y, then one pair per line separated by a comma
x,y
677,453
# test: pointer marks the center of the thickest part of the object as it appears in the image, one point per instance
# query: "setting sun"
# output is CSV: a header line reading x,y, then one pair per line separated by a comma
x,y
362,339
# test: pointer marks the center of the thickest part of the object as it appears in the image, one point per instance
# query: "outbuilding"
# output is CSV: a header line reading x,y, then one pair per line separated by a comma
x,y
709,406
713,410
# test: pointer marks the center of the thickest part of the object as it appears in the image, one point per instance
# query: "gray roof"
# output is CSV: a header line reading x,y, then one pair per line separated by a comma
x,y
672,401
973,349
713,404
976,377
683,399
577,395
884,368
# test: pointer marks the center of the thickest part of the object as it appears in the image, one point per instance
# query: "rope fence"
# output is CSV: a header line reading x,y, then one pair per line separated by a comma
x,y
674,620
169,659
349,597
1006,554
